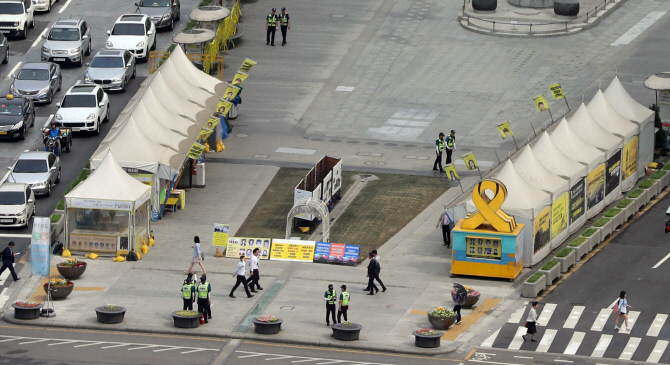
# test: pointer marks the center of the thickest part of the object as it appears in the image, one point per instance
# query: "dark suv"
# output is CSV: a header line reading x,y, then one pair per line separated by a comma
x,y
163,13
16,116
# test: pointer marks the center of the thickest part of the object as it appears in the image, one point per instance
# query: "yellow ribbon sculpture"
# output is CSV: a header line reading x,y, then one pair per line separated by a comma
x,y
489,209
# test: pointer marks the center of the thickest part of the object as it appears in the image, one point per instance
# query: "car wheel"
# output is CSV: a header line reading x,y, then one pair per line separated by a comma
x,y
171,27
88,50
49,7
32,124
178,14
68,148
6,60
49,98
134,72
48,189
123,90
24,130
106,120
81,60
32,24
58,177
97,129
153,46
24,34
60,83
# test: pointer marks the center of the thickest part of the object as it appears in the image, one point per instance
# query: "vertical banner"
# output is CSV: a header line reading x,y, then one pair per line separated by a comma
x,y
541,233
629,161
540,103
327,187
664,97
452,174
247,65
556,91
577,197
559,215
595,186
613,173
505,130
220,235
470,161
239,77
337,177
40,246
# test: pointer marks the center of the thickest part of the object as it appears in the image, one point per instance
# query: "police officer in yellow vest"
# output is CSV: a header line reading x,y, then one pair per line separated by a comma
x,y
285,24
203,298
271,26
331,299
188,292
451,145
439,147
344,304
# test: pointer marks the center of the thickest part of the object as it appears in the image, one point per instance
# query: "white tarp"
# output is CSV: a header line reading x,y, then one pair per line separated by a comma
x,y
181,86
185,66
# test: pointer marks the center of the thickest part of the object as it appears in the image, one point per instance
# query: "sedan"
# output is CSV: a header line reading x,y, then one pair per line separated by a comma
x,y
4,49
163,13
37,81
17,204
111,69
39,169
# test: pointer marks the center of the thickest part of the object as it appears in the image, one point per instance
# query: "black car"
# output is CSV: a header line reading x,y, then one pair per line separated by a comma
x,y
16,116
163,13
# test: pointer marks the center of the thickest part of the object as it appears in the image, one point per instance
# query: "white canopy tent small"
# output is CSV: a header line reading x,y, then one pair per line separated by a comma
x,y
170,78
190,72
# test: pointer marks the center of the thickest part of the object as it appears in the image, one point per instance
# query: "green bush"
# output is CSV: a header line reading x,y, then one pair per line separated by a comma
x,y
601,222
645,184
635,193
549,265
60,205
623,203
666,167
577,241
535,277
612,212
589,232
564,252
55,217
657,175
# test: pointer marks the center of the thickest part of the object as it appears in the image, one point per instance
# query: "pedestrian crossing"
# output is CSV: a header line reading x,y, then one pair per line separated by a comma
x,y
587,331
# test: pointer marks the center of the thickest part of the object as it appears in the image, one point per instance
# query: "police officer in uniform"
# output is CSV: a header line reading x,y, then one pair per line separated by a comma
x,y
344,304
271,26
439,147
451,145
331,299
285,24
188,292
203,298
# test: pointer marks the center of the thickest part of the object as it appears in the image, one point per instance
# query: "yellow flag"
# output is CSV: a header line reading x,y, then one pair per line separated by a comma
x,y
540,103
556,91
470,161
452,174
247,65
505,130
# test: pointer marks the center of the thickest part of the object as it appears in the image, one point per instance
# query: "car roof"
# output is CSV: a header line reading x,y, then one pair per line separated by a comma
x,y
131,18
34,155
36,65
13,186
83,89
67,22
110,52
16,100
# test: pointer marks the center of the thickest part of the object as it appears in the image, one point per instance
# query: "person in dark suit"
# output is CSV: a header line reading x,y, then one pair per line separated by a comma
x,y
372,272
8,260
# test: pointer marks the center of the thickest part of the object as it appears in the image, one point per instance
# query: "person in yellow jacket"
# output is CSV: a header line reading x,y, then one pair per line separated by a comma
x,y
271,22
188,292
331,298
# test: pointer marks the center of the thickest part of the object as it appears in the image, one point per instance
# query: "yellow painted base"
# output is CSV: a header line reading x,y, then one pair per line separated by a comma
x,y
487,270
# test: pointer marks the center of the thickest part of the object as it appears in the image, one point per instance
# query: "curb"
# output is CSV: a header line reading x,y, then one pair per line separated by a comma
x,y
449,348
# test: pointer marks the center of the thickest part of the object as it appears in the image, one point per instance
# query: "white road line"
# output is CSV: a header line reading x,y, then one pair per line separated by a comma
x,y
192,351
630,348
545,316
119,345
3,297
601,347
657,352
16,235
516,316
493,362
575,341
35,341
281,357
517,340
632,317
523,357
574,316
656,325
11,339
599,324
64,7
89,344
546,341
5,274
168,349
16,67
322,363
638,28
39,38
613,303
559,360
294,361
662,261
143,347
64,342
489,341
252,355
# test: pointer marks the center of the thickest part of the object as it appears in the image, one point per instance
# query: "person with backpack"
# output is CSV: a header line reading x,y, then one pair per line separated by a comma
x,y
621,310
372,273
446,222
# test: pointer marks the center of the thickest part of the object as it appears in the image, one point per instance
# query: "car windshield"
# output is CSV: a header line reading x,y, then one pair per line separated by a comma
x,y
128,29
10,109
107,62
12,198
78,101
155,3
11,8
30,166
30,74
64,34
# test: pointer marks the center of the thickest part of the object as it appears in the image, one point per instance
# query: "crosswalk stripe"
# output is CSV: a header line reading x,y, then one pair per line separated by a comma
x,y
657,324
630,348
601,347
657,352
489,341
600,322
632,318
546,340
516,316
545,316
575,341
572,320
517,340
5,274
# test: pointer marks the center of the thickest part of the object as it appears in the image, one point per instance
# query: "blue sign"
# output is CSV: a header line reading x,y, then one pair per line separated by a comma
x,y
336,253
40,246
321,252
351,253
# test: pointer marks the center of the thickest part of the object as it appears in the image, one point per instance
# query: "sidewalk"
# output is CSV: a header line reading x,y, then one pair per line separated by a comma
x,y
415,269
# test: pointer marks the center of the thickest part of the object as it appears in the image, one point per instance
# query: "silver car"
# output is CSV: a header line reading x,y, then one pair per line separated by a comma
x,y
17,205
4,49
111,69
37,81
39,169
68,41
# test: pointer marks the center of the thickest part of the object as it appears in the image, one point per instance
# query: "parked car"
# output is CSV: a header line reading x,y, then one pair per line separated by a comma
x,y
111,68
68,40
17,204
83,108
134,32
44,5
37,81
39,169
163,13
4,49
16,16
16,116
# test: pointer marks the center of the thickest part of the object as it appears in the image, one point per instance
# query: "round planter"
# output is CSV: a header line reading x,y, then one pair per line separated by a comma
x,y
186,322
566,7
71,272
346,334
470,301
484,5
426,341
441,323
110,317
267,328
59,292
27,313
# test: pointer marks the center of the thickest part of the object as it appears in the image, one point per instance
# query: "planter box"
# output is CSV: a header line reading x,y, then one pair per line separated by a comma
x,y
73,272
441,323
665,180
617,220
566,262
57,228
426,341
59,292
346,334
645,199
594,240
654,189
605,230
110,317
27,313
581,250
186,322
531,290
470,301
267,328
552,274
628,211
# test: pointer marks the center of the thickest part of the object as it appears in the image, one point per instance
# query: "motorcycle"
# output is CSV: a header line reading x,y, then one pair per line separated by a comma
x,y
52,144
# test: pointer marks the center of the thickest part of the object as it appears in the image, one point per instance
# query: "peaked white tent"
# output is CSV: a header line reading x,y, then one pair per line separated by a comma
x,y
185,66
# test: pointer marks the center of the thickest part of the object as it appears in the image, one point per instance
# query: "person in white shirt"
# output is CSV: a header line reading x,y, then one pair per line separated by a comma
x,y
255,274
531,323
241,278
197,256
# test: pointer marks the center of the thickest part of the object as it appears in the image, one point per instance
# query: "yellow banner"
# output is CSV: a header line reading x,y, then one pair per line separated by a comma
x,y
470,161
238,246
452,174
541,234
240,77
203,135
220,235
559,215
540,103
196,151
595,186
223,107
505,130
292,250
247,65
630,158
212,122
231,92
556,91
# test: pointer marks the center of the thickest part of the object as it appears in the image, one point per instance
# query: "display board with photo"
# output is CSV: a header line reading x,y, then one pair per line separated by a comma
x,y
483,248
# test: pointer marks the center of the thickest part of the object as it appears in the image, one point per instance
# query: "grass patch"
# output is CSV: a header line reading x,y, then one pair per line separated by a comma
x,y
55,217
564,252
589,232
60,205
601,222
577,242
657,175
535,277
666,167
645,184
635,193
549,265
612,212
623,203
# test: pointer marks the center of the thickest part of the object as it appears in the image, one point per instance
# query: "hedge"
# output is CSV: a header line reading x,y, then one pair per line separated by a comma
x,y
564,252
549,265
601,222
577,241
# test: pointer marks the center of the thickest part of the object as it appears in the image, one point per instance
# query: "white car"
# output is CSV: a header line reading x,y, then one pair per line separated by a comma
x,y
16,16
135,33
44,5
83,108
17,204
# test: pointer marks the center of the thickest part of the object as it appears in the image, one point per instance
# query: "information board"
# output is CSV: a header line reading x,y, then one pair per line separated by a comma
x,y
292,250
483,248
336,253
238,246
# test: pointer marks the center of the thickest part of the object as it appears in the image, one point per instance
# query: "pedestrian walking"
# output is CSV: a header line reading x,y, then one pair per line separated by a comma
x,y
203,298
379,269
255,273
284,24
331,299
188,293
8,260
621,309
372,270
531,323
241,278
451,145
271,26
446,222
344,304
197,256
439,147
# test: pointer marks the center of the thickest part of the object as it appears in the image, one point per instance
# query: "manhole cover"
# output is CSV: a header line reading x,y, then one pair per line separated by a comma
x,y
242,135
286,308
409,145
338,16
375,163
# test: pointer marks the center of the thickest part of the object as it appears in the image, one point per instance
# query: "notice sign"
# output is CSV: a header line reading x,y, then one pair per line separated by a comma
x,y
556,91
292,250
220,235
238,246
613,173
577,199
40,246
336,253
483,248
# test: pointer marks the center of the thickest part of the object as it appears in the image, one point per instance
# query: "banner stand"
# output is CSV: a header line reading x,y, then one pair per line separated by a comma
x,y
40,258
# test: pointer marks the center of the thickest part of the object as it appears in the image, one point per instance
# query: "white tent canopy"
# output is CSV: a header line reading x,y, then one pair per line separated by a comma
x,y
181,86
556,161
185,66
625,105
572,145
534,172
586,126
605,114
523,199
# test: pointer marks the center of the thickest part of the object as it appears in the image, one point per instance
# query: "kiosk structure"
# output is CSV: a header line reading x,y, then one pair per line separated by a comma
x,y
488,242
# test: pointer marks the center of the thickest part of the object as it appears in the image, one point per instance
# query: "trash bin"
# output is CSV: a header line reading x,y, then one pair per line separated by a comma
x,y
199,173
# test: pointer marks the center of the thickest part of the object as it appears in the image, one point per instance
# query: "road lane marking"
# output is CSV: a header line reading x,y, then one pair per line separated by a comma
x,y
546,341
630,348
575,341
657,352
5,275
39,38
119,345
34,341
657,324
601,320
601,347
489,341
16,235
638,28
16,67
11,339
523,357
546,314
516,316
65,342
574,316
64,7
517,341
248,354
662,261
142,347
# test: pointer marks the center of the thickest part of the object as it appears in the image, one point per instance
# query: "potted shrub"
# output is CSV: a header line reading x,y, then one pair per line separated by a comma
x,y
605,226
267,325
593,237
627,207
534,285
27,310
551,270
648,185
427,338
660,177
471,299
566,257
441,318
615,215
639,197
665,180
580,246
71,268
655,179
110,314
60,288
186,319
57,224
346,331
